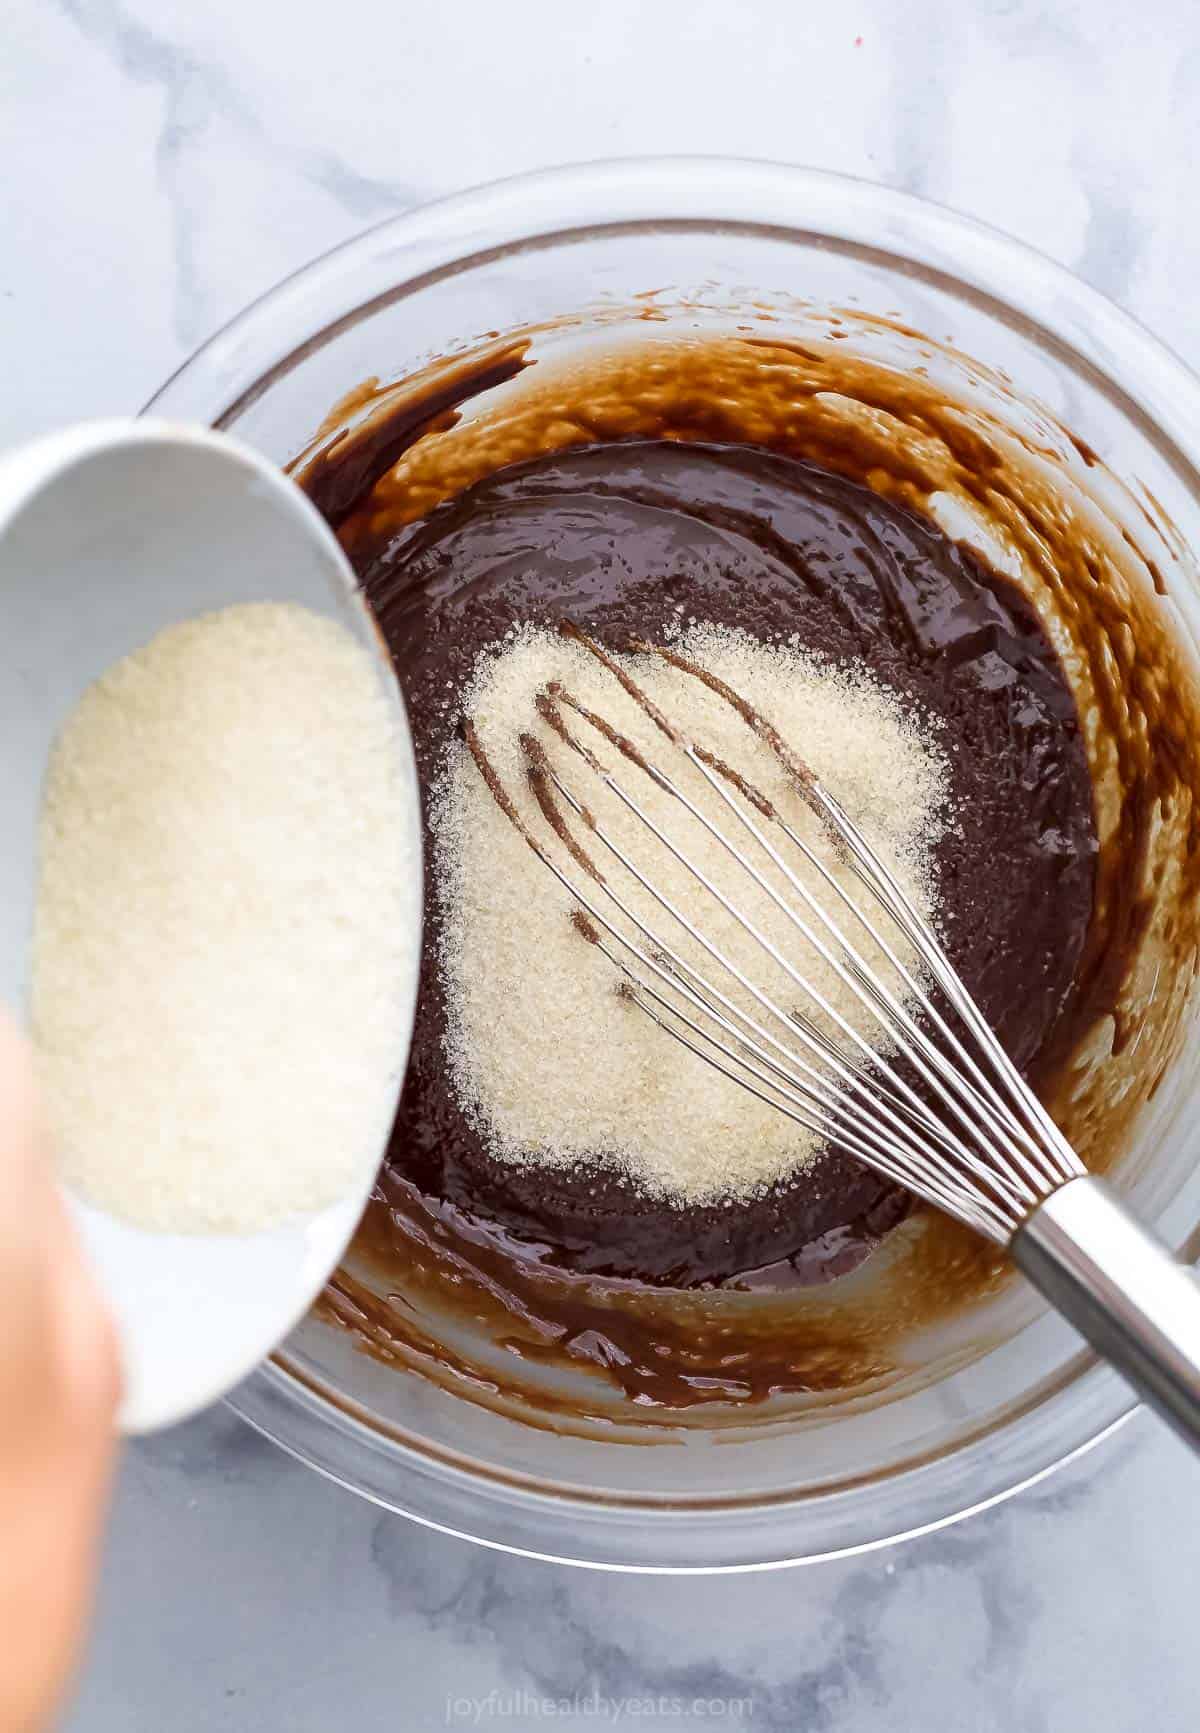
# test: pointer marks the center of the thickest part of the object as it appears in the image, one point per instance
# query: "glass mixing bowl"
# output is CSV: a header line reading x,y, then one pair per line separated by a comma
x,y
567,251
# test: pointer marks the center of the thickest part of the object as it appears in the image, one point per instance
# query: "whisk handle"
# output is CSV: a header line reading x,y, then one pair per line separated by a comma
x,y
1123,1291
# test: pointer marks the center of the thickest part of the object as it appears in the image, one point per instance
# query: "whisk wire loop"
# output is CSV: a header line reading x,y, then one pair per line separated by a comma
x,y
941,1110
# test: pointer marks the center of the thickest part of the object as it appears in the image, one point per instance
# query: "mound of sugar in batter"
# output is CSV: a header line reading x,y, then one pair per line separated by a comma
x,y
547,1059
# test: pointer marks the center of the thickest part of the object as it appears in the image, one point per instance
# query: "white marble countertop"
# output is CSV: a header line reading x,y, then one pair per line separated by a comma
x,y
164,162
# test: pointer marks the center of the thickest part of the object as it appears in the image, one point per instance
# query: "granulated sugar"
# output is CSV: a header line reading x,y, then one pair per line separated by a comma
x,y
226,924
546,1058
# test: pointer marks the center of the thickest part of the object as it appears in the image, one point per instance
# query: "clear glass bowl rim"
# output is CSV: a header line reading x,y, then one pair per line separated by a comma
x,y
1019,286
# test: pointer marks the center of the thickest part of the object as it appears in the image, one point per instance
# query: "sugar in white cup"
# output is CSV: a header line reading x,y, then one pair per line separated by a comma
x,y
110,532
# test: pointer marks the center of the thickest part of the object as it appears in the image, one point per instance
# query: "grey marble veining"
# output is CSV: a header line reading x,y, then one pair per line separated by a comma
x,y
243,1591
167,161
205,107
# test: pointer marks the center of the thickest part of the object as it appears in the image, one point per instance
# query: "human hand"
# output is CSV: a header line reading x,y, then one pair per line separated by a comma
x,y
59,1385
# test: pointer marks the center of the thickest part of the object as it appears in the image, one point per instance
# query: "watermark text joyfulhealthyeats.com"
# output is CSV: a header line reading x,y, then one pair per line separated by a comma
x,y
529,1707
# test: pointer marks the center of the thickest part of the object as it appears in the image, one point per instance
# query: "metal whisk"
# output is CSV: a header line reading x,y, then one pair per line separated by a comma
x,y
953,1122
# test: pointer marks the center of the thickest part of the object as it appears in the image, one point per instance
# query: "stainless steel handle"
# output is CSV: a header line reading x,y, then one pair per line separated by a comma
x,y
1121,1288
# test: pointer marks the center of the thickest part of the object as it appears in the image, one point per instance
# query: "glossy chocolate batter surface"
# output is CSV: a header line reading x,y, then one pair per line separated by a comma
x,y
791,486
619,537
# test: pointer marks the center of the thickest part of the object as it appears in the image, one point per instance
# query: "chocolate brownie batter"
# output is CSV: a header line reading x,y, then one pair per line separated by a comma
x,y
617,537
790,488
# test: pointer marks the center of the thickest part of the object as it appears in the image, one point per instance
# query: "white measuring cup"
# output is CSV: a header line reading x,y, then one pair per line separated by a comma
x,y
109,532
